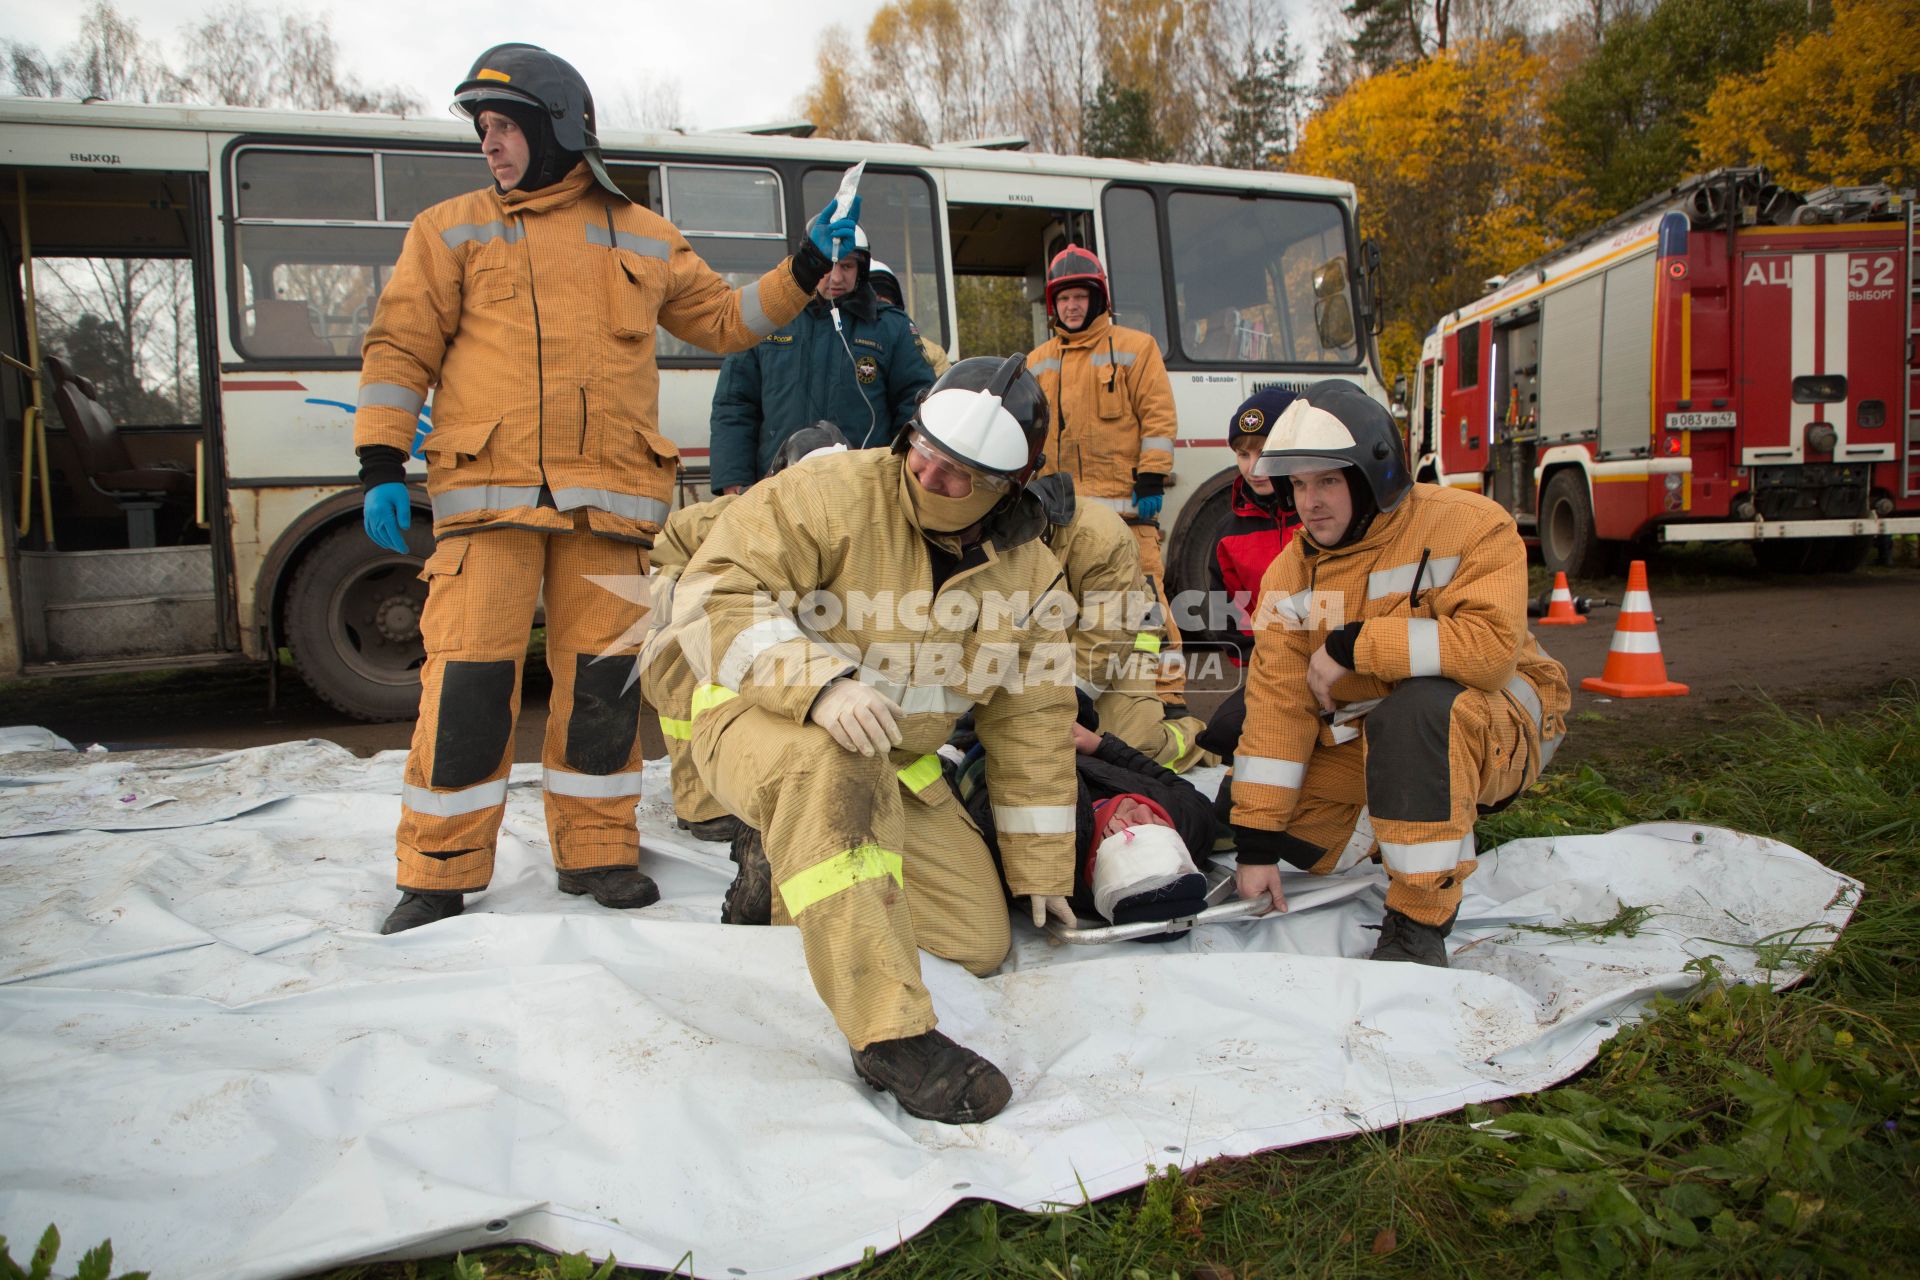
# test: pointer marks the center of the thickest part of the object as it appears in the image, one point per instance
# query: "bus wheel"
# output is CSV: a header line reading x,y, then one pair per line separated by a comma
x,y
353,622
1568,543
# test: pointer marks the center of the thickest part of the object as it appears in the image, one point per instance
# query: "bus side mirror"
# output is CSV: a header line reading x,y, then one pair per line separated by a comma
x,y
1332,304
1398,403
1370,278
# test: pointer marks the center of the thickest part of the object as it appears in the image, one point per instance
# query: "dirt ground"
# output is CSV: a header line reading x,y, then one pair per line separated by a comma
x,y
1819,645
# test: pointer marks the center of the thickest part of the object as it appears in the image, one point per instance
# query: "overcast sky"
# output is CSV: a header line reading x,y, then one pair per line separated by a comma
x,y
736,61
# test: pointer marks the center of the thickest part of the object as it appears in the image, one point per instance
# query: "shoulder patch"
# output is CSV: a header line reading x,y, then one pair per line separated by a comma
x,y
913,328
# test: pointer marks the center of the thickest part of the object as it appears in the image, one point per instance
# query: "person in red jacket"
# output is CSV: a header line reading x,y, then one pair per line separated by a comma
x,y
1261,527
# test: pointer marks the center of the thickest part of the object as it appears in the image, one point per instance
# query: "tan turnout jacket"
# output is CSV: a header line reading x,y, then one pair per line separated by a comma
x,y
530,318
1465,618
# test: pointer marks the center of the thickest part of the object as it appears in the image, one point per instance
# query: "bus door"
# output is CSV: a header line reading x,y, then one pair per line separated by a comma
x,y
1005,228
113,508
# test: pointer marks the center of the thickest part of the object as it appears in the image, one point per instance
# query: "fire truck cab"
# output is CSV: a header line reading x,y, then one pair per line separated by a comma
x,y
1730,361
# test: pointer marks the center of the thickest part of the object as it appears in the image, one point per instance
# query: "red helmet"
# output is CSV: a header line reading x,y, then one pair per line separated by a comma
x,y
1077,268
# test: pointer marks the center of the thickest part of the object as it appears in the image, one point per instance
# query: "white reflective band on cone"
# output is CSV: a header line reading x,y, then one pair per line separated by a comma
x,y
1268,771
1033,819
1635,642
452,804
1632,602
592,786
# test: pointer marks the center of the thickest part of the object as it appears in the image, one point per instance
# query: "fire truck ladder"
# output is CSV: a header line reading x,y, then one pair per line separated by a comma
x,y
1911,466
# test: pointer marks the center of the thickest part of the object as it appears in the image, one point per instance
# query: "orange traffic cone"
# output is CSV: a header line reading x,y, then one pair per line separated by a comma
x,y
1560,612
1635,668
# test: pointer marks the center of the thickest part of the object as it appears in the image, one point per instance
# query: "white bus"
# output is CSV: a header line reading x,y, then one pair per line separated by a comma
x,y
193,284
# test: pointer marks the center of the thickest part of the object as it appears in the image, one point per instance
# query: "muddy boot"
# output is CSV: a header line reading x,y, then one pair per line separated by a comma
x,y
1406,939
720,830
416,909
750,896
619,887
934,1078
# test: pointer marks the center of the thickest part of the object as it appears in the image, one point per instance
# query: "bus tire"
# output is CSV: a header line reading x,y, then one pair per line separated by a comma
x,y
353,622
1199,533
1568,543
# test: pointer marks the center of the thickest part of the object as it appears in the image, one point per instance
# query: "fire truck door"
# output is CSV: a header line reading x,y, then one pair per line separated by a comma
x,y
1516,416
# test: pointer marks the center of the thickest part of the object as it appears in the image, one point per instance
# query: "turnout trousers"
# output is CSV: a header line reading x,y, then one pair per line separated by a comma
x,y
1433,754
482,589
1140,721
670,693
873,857
1172,679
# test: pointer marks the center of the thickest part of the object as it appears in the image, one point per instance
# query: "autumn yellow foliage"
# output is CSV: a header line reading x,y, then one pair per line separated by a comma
x,y
1455,178
1840,106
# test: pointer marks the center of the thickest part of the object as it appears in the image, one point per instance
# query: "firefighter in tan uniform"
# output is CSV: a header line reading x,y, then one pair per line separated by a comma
x,y
1114,421
528,310
1395,692
667,682
1117,629
916,588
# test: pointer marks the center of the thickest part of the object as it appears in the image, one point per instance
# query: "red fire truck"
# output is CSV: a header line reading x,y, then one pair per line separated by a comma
x,y
1729,361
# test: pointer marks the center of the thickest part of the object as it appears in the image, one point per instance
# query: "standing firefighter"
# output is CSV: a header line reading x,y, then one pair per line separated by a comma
x,y
528,309
1395,692
1113,417
916,588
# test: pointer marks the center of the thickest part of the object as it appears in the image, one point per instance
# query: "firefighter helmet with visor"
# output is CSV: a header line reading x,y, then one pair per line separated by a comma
x,y
1336,424
986,415
528,75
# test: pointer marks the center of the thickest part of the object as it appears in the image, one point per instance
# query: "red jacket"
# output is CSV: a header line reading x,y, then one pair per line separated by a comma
x,y
1259,531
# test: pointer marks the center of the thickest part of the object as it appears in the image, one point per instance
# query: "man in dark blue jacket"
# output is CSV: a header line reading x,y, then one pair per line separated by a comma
x,y
849,359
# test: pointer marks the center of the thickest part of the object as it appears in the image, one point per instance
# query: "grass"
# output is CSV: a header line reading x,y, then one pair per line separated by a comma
x,y
1738,1132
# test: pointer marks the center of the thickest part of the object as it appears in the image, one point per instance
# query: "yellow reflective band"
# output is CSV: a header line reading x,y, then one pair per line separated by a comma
x,y
841,871
921,774
709,696
1146,642
488,73
1179,740
681,729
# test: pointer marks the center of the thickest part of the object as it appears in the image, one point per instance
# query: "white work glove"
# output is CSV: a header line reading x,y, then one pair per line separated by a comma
x,y
1045,905
859,718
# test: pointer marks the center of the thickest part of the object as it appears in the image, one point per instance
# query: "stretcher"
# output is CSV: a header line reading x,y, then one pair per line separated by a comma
x,y
1219,910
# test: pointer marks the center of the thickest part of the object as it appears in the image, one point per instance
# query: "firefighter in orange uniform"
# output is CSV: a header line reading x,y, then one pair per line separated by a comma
x,y
1395,691
1113,416
528,309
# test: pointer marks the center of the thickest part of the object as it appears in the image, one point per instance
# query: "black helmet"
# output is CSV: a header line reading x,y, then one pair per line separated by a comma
x,y
1336,424
529,75
820,437
988,413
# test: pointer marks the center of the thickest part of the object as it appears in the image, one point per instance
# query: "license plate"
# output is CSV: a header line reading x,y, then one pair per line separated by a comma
x,y
1698,421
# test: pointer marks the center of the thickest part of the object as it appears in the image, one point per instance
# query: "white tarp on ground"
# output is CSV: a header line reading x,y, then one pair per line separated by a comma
x,y
210,1054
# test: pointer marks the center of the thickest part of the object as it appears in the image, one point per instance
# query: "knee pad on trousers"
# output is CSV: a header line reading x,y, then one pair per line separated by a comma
x,y
1409,774
605,716
473,722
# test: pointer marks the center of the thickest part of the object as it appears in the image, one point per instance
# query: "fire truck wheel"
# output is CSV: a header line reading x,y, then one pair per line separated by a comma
x,y
353,622
1844,555
1568,543
1790,555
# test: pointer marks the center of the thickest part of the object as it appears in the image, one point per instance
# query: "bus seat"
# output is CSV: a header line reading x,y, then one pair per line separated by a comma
x,y
283,327
139,491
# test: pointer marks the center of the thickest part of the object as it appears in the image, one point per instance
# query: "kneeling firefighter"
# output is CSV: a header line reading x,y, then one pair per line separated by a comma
x,y
1395,692
528,309
921,581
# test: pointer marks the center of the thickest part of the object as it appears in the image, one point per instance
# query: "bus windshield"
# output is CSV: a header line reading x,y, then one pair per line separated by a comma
x,y
1261,280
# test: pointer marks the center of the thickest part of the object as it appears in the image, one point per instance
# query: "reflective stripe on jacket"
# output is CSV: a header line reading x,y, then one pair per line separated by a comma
x,y
530,318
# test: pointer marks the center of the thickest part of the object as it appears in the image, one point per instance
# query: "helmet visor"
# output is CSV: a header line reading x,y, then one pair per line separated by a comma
x,y
929,449
471,100
1287,464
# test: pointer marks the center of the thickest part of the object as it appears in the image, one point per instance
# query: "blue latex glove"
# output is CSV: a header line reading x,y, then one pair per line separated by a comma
x,y
386,514
826,231
1148,508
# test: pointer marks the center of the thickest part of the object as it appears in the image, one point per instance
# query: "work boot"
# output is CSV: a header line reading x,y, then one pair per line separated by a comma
x,y
934,1078
720,830
750,896
618,887
416,909
1404,938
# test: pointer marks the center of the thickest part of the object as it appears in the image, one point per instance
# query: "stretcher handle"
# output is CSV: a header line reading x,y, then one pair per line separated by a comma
x,y
1238,909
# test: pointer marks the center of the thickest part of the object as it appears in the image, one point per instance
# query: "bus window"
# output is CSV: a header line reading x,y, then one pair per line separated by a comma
x,y
412,183
128,326
897,211
1248,273
733,219
1133,262
306,185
